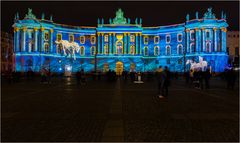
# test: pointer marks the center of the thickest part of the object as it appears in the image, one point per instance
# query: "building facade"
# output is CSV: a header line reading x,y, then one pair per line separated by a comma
x,y
7,56
233,47
119,44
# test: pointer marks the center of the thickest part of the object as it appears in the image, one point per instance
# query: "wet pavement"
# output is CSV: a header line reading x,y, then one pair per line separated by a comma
x,y
117,111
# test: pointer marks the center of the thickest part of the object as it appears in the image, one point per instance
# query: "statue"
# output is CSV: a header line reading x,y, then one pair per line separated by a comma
x,y
196,15
17,16
136,21
129,21
187,17
98,21
225,16
222,15
110,21
119,19
30,15
209,14
51,18
102,21
43,15
140,22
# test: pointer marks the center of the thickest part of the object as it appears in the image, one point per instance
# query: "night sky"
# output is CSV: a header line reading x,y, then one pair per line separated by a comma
x,y
86,13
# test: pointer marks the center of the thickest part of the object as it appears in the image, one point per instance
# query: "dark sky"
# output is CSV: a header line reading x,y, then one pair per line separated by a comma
x,y
86,13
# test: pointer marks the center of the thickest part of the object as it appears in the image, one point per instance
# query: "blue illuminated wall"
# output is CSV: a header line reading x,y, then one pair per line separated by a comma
x,y
119,40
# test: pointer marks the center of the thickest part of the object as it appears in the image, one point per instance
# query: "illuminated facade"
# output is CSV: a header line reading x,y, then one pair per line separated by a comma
x,y
119,44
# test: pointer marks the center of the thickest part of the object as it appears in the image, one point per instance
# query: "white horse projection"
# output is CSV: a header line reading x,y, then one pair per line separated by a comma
x,y
196,66
69,48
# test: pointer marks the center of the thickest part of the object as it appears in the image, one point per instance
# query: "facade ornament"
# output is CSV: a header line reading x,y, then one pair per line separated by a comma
x,y
197,15
51,18
136,21
209,14
225,16
119,19
30,15
187,17
43,15
51,30
102,21
222,16
140,21
110,21
35,29
129,21
98,21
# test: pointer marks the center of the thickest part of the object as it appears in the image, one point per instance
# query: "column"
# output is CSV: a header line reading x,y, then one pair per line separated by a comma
x,y
102,49
114,44
42,40
187,33
223,40
16,40
35,39
23,42
197,40
110,43
136,47
203,40
128,43
51,40
125,43
215,39
140,43
98,45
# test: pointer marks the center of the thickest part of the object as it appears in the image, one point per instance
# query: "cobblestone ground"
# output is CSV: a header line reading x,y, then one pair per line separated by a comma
x,y
117,111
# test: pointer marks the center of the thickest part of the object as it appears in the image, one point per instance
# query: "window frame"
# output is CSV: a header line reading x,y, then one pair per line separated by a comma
x,y
82,37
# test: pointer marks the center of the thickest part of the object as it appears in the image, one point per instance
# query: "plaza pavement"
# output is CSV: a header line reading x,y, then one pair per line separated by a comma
x,y
117,111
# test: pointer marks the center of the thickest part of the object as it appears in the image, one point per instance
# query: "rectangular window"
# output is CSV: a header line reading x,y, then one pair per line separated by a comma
x,y
237,51
207,34
106,38
59,37
168,61
132,38
71,38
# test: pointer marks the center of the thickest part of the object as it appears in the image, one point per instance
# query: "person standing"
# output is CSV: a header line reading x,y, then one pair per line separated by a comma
x,y
160,79
167,81
207,76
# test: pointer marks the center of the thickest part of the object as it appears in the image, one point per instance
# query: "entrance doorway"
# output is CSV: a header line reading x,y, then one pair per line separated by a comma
x,y
119,68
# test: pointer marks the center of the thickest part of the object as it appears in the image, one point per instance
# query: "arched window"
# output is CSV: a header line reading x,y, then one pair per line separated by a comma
x,y
46,48
145,51
93,39
156,51
132,50
168,50
46,36
208,47
192,35
192,48
82,50
82,39
180,49
106,51
168,38
179,37
71,38
93,50
156,39
145,39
